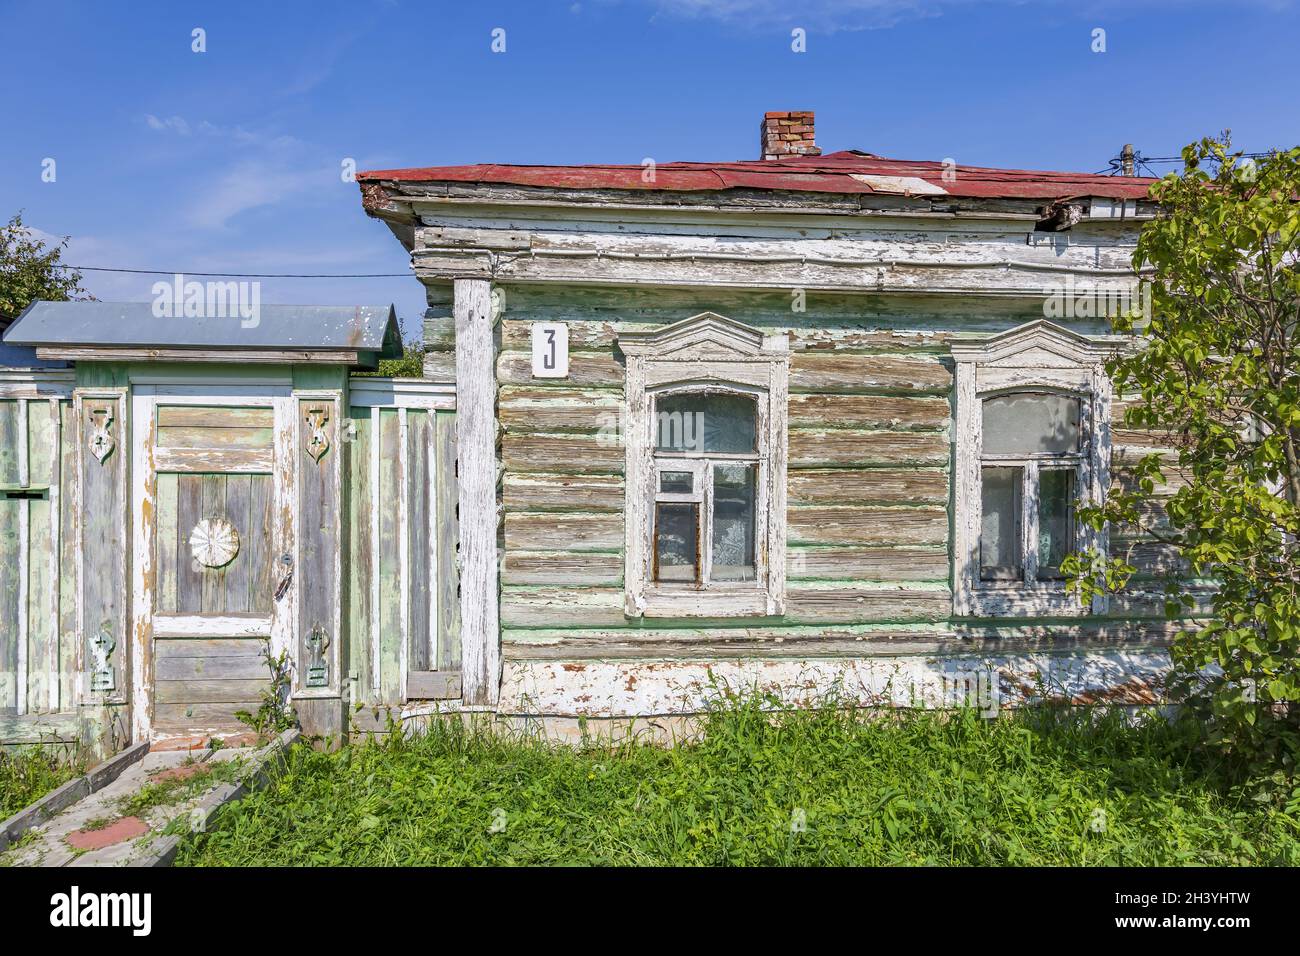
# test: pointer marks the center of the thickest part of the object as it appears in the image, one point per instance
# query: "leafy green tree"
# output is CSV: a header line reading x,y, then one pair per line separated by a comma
x,y
31,270
1217,374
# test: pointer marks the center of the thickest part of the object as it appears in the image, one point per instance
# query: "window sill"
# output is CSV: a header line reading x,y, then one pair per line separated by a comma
x,y
1048,599
686,602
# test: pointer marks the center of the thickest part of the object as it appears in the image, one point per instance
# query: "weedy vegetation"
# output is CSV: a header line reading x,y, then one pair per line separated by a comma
x,y
762,785
30,773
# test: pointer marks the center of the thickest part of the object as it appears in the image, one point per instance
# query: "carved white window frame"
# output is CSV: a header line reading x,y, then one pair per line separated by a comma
x,y
1039,356
705,353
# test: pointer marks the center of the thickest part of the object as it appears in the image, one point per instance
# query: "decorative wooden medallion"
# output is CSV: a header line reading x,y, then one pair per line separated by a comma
x,y
214,542
101,438
318,443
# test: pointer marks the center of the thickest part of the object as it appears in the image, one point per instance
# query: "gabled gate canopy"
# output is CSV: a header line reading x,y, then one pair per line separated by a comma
x,y
118,331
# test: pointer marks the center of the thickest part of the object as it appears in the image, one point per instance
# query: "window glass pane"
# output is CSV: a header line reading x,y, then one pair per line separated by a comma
x,y
733,522
677,551
1055,519
1000,558
705,423
1027,423
676,482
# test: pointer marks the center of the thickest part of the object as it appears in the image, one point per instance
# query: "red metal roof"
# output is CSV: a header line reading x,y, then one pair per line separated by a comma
x,y
832,173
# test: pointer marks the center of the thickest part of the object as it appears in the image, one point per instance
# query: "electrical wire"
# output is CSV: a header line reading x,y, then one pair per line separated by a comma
x,y
249,275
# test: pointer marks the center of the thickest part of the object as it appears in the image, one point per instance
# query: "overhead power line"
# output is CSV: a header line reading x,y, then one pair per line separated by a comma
x,y
249,275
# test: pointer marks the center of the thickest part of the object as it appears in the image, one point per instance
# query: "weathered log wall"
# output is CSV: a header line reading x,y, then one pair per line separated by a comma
x,y
870,497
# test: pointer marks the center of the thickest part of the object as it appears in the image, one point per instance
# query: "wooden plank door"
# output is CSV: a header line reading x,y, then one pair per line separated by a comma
x,y
402,540
215,549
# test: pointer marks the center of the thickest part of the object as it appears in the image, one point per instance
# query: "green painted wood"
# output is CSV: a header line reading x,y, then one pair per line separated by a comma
x,y
319,513
361,565
40,443
189,511
216,416
165,537
208,647
9,608
69,516
9,442
390,585
204,691
213,588
418,495
239,513
40,729
260,544
40,589
105,589
214,438
448,543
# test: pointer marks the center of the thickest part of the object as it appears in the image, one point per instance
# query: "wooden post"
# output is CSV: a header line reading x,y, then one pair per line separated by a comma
x,y
476,391
1126,159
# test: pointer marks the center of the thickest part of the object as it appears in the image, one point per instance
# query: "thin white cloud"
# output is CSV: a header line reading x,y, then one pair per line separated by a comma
x,y
173,124
829,16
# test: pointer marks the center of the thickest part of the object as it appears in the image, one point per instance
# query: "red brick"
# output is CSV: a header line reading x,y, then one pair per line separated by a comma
x,y
119,831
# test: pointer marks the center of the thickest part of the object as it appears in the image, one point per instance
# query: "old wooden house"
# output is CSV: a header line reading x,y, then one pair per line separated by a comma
x,y
811,424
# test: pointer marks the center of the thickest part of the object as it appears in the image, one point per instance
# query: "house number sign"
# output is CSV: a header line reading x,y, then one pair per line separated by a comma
x,y
550,350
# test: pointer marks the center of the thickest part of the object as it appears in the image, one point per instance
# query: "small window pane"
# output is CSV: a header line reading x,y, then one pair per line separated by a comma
x,y
1055,520
704,423
1000,558
677,551
733,523
1028,423
676,482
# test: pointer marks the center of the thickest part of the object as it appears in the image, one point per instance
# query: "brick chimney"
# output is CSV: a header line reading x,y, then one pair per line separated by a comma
x,y
788,134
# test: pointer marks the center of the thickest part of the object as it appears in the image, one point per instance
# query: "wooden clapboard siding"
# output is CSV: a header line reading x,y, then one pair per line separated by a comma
x,y
912,485
820,410
860,525
582,454
848,604
562,492
524,410
580,607
243,585
812,448
550,531
827,563
562,567
586,370
818,372
594,334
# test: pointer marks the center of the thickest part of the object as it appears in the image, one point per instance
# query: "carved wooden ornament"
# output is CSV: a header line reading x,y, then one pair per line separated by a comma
x,y
101,438
319,442
214,542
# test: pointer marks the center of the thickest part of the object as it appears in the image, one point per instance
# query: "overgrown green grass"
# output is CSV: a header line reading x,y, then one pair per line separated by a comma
x,y
825,787
27,775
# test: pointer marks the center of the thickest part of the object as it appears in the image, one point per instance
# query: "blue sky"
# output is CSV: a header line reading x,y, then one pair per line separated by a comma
x,y
230,159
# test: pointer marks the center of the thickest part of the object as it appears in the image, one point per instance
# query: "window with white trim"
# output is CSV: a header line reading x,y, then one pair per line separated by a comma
x,y
705,470
1032,438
